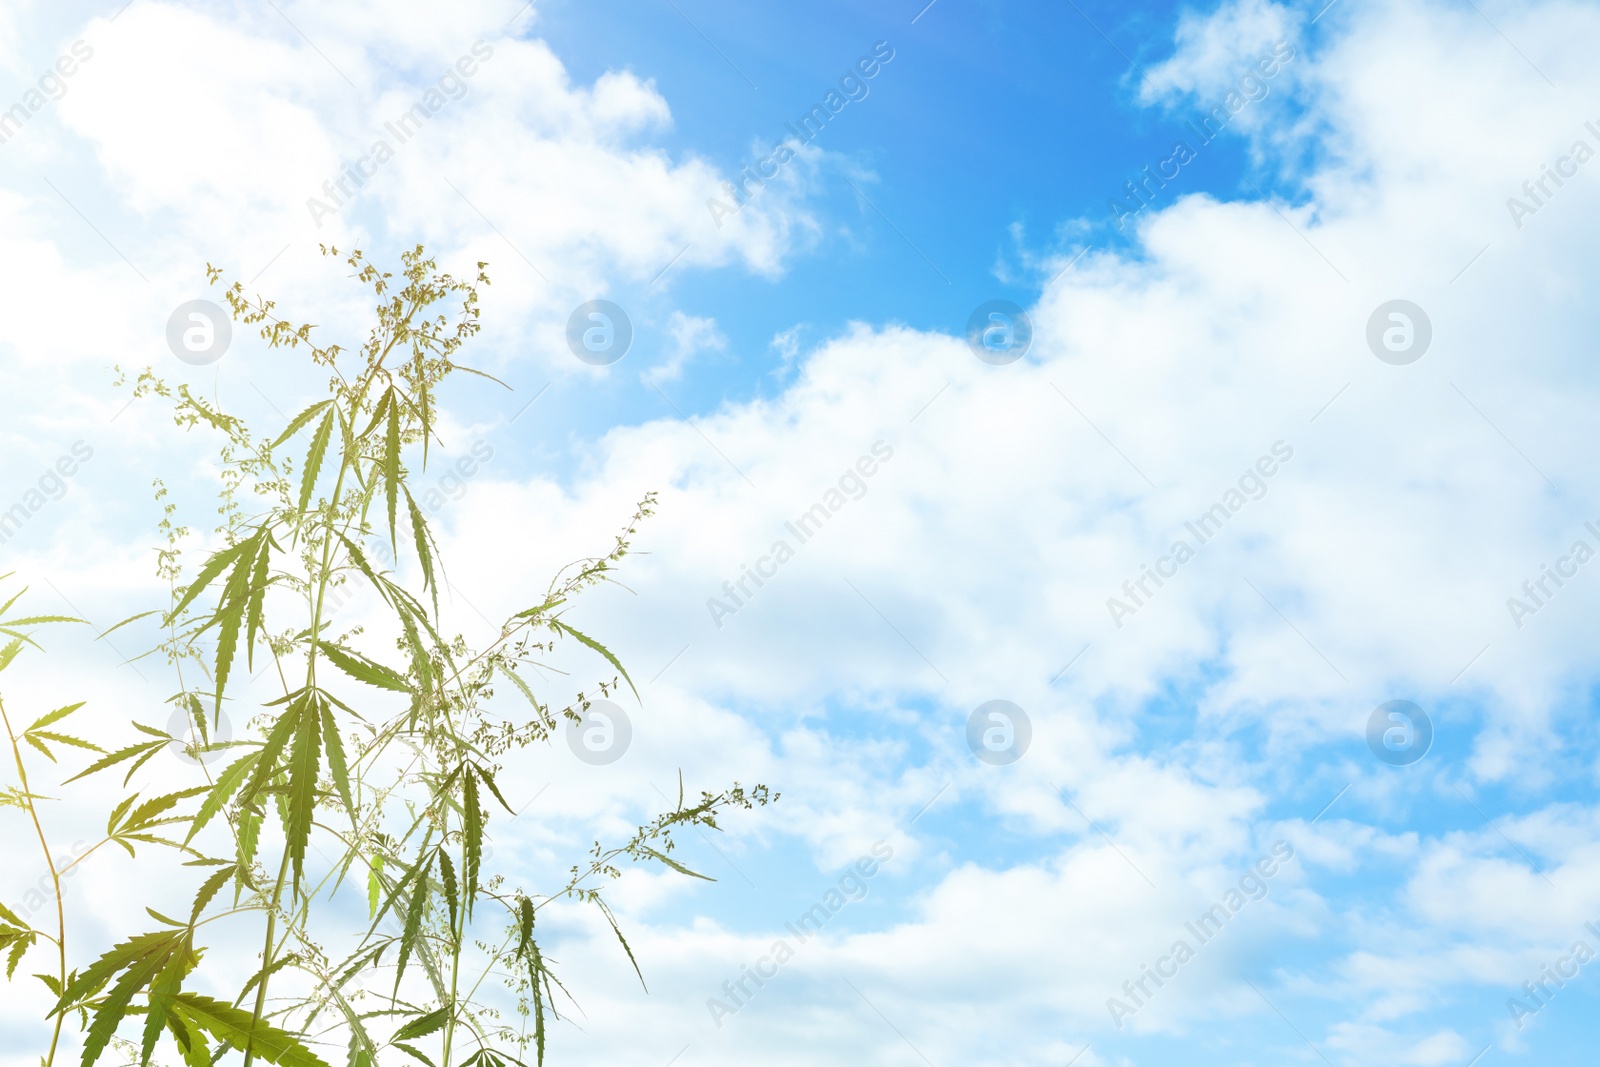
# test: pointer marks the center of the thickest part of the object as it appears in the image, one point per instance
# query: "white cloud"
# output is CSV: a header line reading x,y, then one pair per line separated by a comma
x,y
1214,49
692,336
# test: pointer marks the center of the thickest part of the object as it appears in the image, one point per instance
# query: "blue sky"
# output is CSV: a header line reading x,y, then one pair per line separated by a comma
x,y
984,147
1173,745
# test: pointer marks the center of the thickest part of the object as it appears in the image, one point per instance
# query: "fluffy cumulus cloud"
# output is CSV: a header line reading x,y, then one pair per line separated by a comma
x,y
234,131
1213,49
692,336
842,571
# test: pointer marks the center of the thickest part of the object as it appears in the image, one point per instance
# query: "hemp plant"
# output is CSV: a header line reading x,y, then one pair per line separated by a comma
x,y
371,778
44,735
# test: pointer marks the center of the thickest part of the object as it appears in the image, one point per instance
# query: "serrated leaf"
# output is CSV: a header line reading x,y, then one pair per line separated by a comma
x,y
305,763
126,826
553,602
249,837
65,739
109,1013
363,1051
423,407
378,412
447,876
612,919
334,744
256,611
423,1025
208,573
363,669
144,816
481,374
299,421
488,780
277,740
191,1043
197,715
124,622
516,679
209,889
674,864
266,973
598,647
19,948
414,914
536,970
391,470
360,560
139,959
413,1053
9,916
150,753
374,886
239,1029
314,457
420,661
117,813
230,613
159,1000
55,716
525,921
222,791
471,832
422,536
